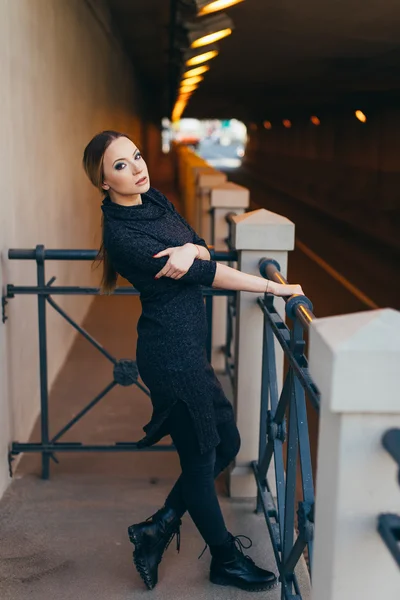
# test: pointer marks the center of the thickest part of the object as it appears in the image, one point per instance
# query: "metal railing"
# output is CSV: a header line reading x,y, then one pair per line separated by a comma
x,y
125,371
284,426
389,524
229,349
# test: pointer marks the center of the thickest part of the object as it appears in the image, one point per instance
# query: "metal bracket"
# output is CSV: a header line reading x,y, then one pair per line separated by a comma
x,y
4,303
126,372
305,515
275,430
10,461
389,530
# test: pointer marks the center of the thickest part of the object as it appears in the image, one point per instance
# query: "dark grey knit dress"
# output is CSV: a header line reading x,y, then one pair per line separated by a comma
x,y
172,329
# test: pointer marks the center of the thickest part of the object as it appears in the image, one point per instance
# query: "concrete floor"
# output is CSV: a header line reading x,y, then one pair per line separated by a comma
x,y
66,537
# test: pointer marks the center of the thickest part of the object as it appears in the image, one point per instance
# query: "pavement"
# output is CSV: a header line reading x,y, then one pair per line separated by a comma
x,y
66,537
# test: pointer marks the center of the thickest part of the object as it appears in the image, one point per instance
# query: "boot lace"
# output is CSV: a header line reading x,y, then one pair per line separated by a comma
x,y
239,545
158,517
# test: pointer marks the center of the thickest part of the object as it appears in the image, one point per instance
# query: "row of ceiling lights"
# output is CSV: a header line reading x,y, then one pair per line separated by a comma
x,y
202,35
314,120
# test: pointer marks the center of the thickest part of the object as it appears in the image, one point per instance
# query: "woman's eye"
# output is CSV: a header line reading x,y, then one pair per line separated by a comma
x,y
138,155
120,166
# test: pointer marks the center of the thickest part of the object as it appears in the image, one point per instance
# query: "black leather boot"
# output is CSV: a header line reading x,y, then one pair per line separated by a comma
x,y
230,566
151,537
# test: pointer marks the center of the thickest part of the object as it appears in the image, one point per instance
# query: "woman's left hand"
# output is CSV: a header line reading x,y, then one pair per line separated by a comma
x,y
180,260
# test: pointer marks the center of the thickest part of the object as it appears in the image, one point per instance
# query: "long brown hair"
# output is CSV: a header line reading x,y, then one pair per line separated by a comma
x,y
93,164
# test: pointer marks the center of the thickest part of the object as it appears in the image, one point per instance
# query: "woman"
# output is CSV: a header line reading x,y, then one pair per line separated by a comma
x,y
150,244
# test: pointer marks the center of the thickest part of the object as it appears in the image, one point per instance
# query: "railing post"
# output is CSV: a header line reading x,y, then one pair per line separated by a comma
x,y
225,198
44,392
354,360
256,234
205,182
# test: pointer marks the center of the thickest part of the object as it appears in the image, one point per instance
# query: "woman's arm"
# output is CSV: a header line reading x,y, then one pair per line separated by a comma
x,y
204,251
228,278
138,252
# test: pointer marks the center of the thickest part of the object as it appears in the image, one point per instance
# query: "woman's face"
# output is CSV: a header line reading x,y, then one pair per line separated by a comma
x,y
124,170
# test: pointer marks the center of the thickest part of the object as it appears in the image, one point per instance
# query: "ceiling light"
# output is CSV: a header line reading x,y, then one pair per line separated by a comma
x,y
211,37
209,30
193,58
267,124
196,71
287,123
184,95
361,116
187,88
206,7
314,120
192,80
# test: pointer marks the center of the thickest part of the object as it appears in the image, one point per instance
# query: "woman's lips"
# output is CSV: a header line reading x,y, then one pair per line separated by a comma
x,y
142,181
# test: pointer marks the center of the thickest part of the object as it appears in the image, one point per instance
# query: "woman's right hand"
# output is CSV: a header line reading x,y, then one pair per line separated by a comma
x,y
282,289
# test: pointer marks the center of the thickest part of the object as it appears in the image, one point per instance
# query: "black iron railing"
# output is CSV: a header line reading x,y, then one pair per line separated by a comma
x,y
284,426
125,371
231,301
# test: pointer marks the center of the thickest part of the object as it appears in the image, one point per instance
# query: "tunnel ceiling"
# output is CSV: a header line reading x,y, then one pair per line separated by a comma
x,y
281,55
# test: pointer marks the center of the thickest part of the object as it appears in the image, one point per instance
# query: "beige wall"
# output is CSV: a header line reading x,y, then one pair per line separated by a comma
x,y
63,79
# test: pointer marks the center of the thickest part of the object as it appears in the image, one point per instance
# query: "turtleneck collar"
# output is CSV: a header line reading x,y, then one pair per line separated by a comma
x,y
145,211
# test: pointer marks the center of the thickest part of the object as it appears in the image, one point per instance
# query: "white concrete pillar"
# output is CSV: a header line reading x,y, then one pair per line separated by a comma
x,y
354,360
225,198
197,170
205,182
257,234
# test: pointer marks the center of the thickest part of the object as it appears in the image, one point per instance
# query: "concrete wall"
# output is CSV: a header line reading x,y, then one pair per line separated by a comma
x,y
63,78
346,168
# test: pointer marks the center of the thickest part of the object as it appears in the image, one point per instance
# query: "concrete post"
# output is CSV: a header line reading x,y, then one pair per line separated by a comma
x,y
205,182
225,198
354,360
197,171
258,233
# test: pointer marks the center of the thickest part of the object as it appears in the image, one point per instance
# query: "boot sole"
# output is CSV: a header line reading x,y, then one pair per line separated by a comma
x,y
139,561
248,587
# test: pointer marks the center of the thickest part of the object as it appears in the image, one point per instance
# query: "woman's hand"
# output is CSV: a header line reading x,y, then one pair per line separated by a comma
x,y
180,260
282,289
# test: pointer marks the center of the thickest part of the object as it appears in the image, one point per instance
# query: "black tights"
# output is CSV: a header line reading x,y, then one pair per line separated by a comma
x,y
195,488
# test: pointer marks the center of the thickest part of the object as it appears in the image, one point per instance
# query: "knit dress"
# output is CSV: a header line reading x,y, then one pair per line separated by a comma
x,y
172,328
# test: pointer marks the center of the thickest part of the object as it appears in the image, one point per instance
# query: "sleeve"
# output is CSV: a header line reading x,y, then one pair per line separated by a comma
x,y
196,238
136,252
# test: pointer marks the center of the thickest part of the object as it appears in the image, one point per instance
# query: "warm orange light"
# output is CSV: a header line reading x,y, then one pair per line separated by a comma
x,y
200,58
361,116
314,120
179,107
287,123
216,5
196,71
187,88
192,80
211,37
267,124
184,97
